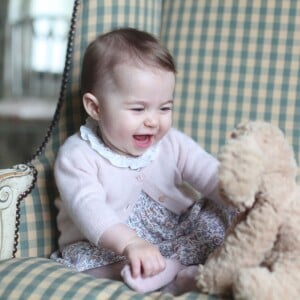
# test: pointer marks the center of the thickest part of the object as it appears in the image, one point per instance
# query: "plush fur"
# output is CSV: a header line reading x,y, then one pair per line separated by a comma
x,y
260,258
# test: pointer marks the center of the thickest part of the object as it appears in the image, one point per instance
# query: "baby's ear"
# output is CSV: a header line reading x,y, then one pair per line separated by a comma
x,y
241,166
91,105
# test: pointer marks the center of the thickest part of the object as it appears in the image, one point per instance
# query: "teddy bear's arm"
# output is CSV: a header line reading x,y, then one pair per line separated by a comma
x,y
254,236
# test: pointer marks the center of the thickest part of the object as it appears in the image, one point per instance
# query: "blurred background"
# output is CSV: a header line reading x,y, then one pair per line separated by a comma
x,y
33,39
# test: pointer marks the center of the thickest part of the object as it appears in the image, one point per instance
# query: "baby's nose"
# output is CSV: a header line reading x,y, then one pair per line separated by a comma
x,y
151,120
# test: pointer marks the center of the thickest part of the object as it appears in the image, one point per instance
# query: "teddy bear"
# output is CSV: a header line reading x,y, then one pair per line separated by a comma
x,y
260,257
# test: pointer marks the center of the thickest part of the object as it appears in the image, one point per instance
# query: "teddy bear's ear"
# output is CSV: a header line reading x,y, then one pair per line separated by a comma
x,y
241,166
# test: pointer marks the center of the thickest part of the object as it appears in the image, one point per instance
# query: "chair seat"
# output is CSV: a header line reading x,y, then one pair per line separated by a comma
x,y
41,278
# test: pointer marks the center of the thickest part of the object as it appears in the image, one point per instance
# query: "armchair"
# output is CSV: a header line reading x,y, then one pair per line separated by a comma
x,y
236,60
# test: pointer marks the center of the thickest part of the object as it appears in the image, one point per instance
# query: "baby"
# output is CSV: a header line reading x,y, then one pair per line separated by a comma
x,y
123,211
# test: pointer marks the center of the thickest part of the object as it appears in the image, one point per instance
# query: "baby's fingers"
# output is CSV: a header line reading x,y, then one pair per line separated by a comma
x,y
153,266
136,267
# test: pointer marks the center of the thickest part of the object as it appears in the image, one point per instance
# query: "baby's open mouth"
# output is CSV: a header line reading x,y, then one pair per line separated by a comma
x,y
142,137
143,140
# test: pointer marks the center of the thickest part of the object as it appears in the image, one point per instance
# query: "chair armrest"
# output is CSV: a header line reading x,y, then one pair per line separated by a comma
x,y
15,184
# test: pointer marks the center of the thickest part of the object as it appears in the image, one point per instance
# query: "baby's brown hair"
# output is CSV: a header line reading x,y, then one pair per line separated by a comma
x,y
123,45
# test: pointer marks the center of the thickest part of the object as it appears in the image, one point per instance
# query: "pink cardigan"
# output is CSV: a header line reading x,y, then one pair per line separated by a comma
x,y
95,195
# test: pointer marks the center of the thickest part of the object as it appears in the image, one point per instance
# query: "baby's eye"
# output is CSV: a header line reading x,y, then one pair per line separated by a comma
x,y
166,108
137,109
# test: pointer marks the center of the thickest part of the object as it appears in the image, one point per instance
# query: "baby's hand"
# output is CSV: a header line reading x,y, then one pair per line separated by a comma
x,y
144,258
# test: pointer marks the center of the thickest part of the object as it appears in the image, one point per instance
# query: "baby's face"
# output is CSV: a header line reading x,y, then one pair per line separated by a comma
x,y
136,111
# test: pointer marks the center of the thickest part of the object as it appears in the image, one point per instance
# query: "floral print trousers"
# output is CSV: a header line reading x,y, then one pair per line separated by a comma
x,y
188,238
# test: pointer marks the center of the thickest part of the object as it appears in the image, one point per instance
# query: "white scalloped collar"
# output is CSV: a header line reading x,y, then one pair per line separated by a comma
x,y
88,132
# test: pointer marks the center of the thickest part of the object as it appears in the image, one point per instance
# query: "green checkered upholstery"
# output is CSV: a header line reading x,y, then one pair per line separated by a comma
x,y
40,278
237,60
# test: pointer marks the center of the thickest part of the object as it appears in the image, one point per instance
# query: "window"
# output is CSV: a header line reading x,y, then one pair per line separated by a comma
x,y
33,40
37,37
